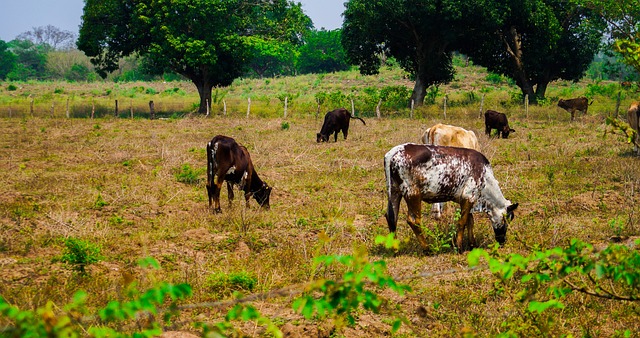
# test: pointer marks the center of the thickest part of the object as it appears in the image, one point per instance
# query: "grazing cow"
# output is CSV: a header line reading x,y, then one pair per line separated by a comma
x,y
496,120
451,136
571,105
230,161
434,174
633,115
334,121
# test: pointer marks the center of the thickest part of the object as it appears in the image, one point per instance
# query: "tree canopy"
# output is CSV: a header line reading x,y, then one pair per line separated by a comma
x,y
207,41
322,52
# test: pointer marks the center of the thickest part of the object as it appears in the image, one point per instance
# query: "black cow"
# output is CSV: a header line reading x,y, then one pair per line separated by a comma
x,y
229,161
496,120
334,121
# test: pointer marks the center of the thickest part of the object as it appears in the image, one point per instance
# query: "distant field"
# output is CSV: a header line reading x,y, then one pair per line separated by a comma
x,y
115,182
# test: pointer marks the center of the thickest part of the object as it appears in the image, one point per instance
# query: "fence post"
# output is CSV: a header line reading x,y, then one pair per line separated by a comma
x,y
378,108
445,106
286,99
131,108
31,106
152,110
224,107
353,108
115,113
93,109
412,105
52,107
67,107
526,106
208,110
248,106
617,104
481,106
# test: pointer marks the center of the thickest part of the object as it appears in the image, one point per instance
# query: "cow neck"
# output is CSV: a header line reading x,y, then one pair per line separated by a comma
x,y
491,192
256,182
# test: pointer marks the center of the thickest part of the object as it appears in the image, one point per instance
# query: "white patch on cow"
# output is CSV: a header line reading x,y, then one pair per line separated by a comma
x,y
231,170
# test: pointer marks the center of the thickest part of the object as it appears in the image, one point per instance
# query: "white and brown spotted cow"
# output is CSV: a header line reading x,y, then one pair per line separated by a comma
x,y
633,116
229,161
417,173
450,136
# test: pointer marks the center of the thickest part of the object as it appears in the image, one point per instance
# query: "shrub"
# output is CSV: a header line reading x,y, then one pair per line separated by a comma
x,y
223,284
79,253
188,175
12,87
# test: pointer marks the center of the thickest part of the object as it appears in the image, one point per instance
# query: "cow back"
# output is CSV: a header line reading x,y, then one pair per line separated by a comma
x,y
450,136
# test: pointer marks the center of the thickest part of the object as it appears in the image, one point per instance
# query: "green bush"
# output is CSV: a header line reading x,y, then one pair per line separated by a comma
x,y
223,284
188,175
11,87
79,253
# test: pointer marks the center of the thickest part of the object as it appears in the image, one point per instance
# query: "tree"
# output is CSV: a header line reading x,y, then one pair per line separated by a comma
x,y
271,57
31,60
535,42
7,60
421,35
622,23
322,52
51,36
207,41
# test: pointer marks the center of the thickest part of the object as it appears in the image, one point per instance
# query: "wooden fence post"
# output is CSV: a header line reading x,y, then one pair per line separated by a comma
x,y
378,108
353,108
526,106
286,99
208,110
445,106
481,106
248,106
617,105
52,107
412,105
224,107
152,110
31,106
67,107
131,108
115,113
93,109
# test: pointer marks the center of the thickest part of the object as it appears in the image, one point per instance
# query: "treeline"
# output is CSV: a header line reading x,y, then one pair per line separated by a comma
x,y
47,53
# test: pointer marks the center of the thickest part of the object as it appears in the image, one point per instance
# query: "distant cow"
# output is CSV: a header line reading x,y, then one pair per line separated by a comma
x,y
230,161
433,174
571,105
334,121
633,115
496,120
451,136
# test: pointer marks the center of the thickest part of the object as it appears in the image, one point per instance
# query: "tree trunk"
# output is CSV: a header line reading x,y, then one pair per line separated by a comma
x,y
513,45
419,91
204,90
541,89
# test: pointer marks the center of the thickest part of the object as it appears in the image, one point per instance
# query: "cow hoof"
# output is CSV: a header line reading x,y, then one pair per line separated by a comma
x,y
217,211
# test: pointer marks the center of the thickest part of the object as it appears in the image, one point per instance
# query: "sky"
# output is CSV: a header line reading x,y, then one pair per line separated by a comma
x,y
19,16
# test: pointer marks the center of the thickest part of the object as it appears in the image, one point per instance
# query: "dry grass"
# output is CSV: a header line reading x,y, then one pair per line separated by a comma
x,y
569,180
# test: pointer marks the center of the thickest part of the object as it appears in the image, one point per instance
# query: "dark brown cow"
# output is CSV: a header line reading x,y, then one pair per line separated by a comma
x,y
334,121
496,120
633,115
229,161
571,105
433,174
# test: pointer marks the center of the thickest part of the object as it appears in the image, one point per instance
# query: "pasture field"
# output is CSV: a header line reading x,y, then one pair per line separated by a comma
x,y
136,189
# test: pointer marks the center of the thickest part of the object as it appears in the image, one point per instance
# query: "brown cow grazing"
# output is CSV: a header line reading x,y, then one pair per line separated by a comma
x,y
434,174
496,120
633,115
230,161
450,136
334,121
571,105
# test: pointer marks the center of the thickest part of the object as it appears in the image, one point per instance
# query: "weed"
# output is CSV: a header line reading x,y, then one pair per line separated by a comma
x,y
284,125
79,253
188,175
224,284
100,202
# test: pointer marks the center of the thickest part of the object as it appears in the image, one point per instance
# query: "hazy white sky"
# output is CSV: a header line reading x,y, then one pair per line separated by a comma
x,y
19,16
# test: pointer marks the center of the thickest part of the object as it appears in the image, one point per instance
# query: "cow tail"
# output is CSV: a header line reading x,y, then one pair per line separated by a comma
x,y
393,199
209,164
355,117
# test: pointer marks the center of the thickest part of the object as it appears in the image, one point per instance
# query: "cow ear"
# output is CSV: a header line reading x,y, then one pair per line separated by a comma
x,y
512,207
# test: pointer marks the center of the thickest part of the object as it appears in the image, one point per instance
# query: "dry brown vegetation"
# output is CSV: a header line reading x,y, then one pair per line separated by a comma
x,y
570,180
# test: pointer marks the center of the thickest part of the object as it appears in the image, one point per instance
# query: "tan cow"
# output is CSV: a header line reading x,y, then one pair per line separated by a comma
x,y
633,115
572,105
450,136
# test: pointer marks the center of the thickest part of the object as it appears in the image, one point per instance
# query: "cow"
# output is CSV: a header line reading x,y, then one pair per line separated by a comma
x,y
229,161
450,136
335,121
580,104
496,120
633,115
417,173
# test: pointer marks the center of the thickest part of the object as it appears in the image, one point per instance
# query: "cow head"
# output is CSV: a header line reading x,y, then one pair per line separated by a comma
x,y
322,138
262,195
506,130
500,228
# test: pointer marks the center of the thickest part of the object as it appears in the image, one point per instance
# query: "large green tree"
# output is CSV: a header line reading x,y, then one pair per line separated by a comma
x,y
623,19
322,52
535,42
7,60
420,34
207,41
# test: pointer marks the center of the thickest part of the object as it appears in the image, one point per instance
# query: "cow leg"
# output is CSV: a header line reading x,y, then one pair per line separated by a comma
x,y
487,130
470,237
335,135
215,196
414,218
465,214
345,132
573,113
230,192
